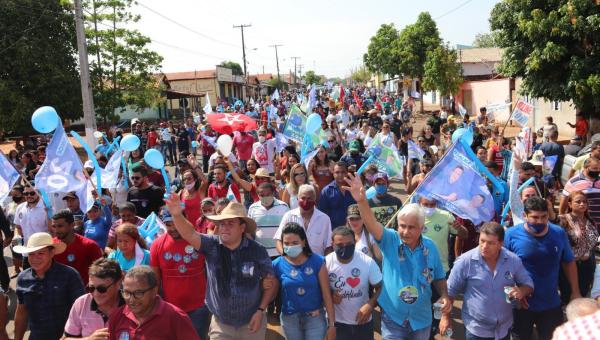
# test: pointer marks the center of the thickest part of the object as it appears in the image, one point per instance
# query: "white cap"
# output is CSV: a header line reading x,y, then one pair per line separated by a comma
x,y
88,164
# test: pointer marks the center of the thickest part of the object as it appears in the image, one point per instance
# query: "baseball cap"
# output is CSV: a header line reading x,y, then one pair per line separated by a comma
x,y
70,194
165,216
354,146
88,164
380,175
353,211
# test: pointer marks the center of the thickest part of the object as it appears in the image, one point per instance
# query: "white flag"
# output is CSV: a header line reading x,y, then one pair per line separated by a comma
x,y
462,110
207,108
275,95
230,195
110,173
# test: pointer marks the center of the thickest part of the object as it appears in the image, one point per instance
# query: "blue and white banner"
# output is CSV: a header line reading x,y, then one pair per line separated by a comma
x,y
457,185
8,176
110,173
414,151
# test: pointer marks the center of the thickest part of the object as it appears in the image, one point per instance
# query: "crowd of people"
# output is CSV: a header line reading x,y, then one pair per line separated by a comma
x,y
265,230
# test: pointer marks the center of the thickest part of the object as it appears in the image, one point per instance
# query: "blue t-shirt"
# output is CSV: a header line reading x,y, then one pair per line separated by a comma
x,y
300,288
542,257
126,264
98,229
407,277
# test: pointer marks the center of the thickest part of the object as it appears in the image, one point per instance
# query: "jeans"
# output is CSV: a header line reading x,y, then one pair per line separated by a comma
x,y
200,320
585,277
354,332
303,326
545,322
471,336
165,149
390,330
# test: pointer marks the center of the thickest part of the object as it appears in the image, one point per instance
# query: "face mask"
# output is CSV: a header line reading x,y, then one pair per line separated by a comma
x,y
428,211
293,251
593,174
346,252
537,227
381,189
262,139
266,200
190,186
306,205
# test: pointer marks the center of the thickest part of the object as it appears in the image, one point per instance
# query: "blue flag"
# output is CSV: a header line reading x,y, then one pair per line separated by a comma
x,y
457,185
62,170
414,151
110,173
8,176
312,99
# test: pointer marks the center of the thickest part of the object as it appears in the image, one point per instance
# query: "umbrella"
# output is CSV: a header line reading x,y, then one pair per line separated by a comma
x,y
229,122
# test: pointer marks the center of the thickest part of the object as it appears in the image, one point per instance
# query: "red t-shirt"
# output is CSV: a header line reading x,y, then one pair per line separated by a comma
x,y
80,254
581,127
182,272
156,178
203,225
152,138
207,148
215,192
243,146
165,322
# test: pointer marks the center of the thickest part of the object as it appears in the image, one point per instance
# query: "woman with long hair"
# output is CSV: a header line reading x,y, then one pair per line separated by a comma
x,y
365,242
304,288
131,248
583,236
298,176
321,168
135,158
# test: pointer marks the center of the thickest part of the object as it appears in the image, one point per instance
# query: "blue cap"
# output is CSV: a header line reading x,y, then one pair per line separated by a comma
x,y
165,216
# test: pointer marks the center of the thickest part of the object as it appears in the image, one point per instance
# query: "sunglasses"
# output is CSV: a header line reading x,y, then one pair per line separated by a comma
x,y
100,289
135,178
32,193
298,174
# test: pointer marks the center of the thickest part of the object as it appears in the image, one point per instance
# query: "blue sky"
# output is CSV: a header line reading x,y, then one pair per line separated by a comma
x,y
330,36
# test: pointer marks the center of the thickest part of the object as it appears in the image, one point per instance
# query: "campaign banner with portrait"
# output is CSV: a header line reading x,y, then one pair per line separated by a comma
x,y
457,186
295,125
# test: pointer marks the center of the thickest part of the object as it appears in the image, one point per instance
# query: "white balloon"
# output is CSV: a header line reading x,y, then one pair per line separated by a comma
x,y
98,134
224,144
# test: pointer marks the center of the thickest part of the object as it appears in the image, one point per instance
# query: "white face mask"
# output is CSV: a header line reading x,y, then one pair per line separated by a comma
x,y
262,139
190,186
428,211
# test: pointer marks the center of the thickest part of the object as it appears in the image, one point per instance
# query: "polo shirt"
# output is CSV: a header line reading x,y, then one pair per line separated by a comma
x,y
112,234
471,277
234,278
182,272
542,257
591,189
31,219
48,300
267,221
80,254
85,317
165,322
407,278
335,204
318,232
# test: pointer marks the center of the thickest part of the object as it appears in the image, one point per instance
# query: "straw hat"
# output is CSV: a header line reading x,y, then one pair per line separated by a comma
x,y
39,241
235,210
262,172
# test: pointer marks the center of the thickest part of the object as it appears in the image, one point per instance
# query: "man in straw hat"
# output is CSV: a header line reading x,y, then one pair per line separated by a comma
x,y
46,290
236,267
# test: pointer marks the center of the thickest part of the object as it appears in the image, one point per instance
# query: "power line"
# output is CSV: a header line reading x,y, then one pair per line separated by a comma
x,y
453,10
187,28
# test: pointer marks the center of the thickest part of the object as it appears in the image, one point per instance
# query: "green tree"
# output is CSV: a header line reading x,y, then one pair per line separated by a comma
x,y
278,83
554,46
382,52
311,78
236,69
486,40
360,75
414,44
442,71
122,66
38,63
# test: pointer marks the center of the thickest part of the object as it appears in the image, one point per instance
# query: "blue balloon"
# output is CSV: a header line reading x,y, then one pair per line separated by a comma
x,y
194,144
313,123
464,134
154,158
45,119
130,143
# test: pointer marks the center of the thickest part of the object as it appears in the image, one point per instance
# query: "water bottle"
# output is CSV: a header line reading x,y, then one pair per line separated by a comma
x,y
448,333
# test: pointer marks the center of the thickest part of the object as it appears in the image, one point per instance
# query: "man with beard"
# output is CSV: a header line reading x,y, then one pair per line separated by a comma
x,y
81,252
30,217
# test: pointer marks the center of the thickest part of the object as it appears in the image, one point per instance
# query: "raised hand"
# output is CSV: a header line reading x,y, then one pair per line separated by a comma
x,y
355,187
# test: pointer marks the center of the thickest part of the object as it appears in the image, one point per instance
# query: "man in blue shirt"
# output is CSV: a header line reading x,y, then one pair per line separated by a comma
x,y
481,274
500,199
543,248
335,200
411,263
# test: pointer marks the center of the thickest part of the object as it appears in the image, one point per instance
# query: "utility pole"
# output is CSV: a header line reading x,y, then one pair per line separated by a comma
x,y
241,27
277,60
295,79
86,86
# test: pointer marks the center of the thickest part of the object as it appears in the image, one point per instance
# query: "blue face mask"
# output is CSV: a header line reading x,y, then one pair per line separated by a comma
x,y
292,251
380,189
537,227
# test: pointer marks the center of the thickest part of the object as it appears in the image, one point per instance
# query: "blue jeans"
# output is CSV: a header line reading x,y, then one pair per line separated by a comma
x,y
201,321
302,326
390,330
471,336
354,332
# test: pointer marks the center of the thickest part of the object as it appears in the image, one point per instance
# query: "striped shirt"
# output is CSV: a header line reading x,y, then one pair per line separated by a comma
x,y
591,189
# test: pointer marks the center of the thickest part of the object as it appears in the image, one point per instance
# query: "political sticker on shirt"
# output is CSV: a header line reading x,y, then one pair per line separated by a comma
x,y
124,335
408,294
308,271
71,257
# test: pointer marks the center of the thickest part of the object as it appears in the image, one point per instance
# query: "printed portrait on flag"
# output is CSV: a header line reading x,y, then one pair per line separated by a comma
x,y
457,186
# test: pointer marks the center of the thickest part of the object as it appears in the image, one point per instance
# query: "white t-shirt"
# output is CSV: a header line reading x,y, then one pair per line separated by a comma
x,y
318,233
32,220
363,245
351,134
352,281
264,154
